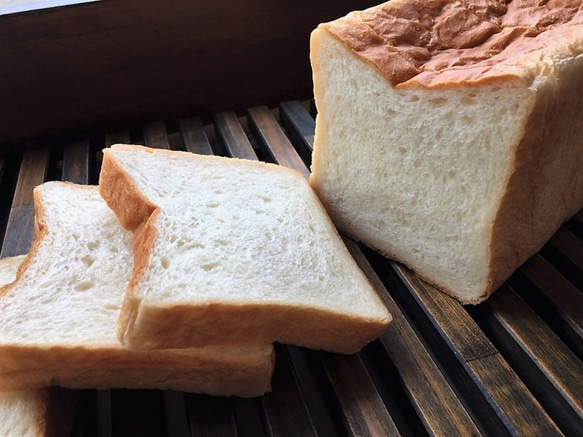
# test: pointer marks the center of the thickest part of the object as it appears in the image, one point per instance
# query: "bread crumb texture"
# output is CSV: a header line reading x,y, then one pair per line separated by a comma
x,y
449,135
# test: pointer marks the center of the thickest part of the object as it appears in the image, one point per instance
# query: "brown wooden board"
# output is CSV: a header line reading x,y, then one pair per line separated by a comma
x,y
509,366
194,137
554,298
299,126
76,157
461,342
20,227
114,62
266,129
548,366
233,136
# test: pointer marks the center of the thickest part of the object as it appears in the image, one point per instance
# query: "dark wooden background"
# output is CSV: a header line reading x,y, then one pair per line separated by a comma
x,y
119,61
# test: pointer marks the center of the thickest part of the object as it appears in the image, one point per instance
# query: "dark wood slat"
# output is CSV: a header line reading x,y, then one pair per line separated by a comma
x,y
564,298
268,131
465,345
579,216
137,413
300,127
20,227
176,415
232,135
285,406
103,427
118,136
439,416
155,135
318,403
76,161
249,416
569,245
436,403
362,406
210,416
194,136
555,362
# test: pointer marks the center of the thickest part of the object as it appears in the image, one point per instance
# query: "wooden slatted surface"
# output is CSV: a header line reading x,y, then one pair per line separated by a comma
x,y
510,366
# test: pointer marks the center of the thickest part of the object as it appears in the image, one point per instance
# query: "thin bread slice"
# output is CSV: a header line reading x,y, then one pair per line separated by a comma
x,y
462,150
43,412
230,251
59,317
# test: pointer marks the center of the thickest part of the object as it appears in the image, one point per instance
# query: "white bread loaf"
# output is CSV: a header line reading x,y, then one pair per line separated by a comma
x,y
231,251
59,318
30,413
449,134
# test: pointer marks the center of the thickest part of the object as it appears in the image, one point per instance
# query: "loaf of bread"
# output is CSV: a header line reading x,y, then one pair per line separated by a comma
x,y
449,134
231,251
42,412
59,318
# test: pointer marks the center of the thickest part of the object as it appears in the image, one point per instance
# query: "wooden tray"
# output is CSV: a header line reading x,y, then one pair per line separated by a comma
x,y
510,366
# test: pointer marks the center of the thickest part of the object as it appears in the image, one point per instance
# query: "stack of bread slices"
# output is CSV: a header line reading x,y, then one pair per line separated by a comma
x,y
179,272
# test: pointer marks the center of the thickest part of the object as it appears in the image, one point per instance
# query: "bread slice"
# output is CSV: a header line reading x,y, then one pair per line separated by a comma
x,y
59,317
230,251
32,413
449,135
48,412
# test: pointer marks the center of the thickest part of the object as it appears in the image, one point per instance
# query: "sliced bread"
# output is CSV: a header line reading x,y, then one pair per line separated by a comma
x,y
230,251
43,412
449,134
59,318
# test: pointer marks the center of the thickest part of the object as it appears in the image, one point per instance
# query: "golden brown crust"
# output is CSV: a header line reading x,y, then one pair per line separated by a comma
x,y
544,186
120,193
212,371
257,324
441,43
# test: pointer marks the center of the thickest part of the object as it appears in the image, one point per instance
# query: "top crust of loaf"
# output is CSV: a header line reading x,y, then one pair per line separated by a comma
x,y
441,43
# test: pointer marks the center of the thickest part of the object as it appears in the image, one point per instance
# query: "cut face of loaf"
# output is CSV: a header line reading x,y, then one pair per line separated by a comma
x,y
230,251
458,157
59,318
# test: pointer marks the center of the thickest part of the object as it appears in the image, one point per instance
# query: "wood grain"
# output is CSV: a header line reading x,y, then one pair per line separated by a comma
x,y
555,362
76,161
362,406
285,407
210,416
233,136
155,135
20,227
130,61
438,406
299,126
560,296
194,136
268,131
569,245
468,346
